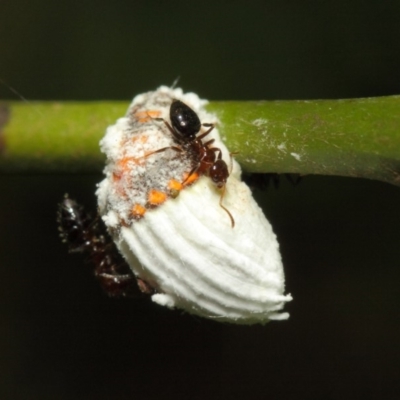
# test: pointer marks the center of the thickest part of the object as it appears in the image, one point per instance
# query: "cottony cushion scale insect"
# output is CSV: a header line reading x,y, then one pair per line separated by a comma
x,y
175,205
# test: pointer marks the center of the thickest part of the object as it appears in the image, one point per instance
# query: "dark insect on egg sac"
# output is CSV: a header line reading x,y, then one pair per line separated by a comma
x,y
185,125
84,234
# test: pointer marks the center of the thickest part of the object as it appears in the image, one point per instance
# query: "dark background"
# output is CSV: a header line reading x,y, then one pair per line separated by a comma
x,y
61,338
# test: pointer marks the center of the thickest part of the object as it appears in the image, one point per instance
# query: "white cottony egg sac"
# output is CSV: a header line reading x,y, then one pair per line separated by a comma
x,y
174,226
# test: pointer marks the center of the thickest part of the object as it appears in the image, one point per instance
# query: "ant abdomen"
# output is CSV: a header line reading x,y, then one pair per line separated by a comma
x,y
184,120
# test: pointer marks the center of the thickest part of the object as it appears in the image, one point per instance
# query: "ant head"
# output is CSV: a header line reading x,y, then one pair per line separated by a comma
x,y
219,173
184,120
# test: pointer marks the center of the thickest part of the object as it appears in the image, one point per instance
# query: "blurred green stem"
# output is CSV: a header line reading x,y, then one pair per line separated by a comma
x,y
354,137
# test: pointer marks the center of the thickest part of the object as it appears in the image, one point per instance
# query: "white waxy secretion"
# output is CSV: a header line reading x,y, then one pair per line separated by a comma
x,y
177,238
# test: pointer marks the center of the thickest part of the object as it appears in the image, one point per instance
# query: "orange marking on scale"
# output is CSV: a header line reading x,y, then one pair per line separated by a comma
x,y
175,185
119,187
123,163
146,116
156,197
124,223
140,138
135,138
116,177
138,211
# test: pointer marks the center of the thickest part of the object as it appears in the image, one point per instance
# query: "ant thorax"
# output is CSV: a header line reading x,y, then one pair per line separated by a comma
x,y
189,228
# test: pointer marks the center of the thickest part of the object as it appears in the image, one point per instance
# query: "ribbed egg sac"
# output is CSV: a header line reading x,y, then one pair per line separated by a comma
x,y
188,250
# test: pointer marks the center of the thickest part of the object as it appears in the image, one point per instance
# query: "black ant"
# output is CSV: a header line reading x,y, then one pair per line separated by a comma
x,y
83,234
185,125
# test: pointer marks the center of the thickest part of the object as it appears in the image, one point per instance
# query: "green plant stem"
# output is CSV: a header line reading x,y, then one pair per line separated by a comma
x,y
57,137
354,137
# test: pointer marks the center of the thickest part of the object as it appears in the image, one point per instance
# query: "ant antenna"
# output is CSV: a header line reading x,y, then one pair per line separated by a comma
x,y
11,89
223,207
175,82
18,94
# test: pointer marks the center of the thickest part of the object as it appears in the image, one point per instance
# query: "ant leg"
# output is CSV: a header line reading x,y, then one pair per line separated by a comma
x,y
209,142
212,126
174,134
231,162
123,285
115,276
175,148
193,170
166,124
